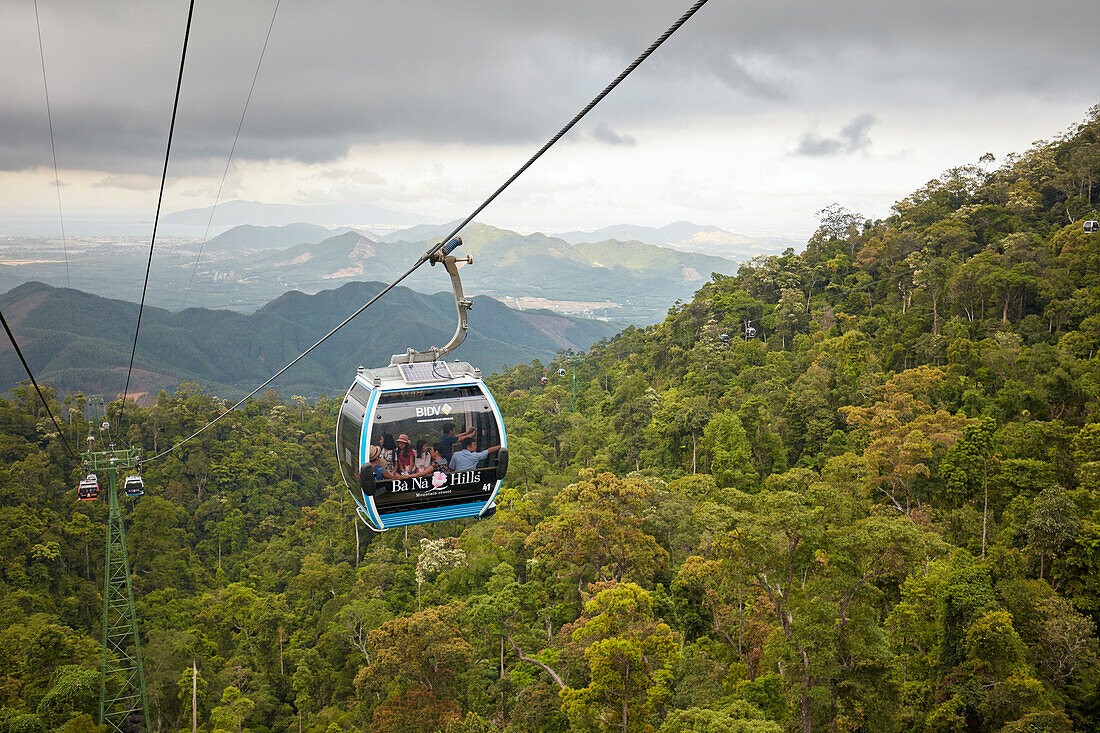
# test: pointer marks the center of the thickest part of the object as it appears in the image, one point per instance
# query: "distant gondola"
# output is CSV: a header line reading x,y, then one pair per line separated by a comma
x,y
419,395
1092,226
88,490
134,486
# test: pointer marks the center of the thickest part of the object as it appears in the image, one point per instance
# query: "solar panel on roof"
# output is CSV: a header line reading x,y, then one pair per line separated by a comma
x,y
425,371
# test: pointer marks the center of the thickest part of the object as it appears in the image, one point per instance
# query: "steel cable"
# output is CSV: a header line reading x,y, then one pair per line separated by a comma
x,y
432,250
232,148
160,199
53,151
38,389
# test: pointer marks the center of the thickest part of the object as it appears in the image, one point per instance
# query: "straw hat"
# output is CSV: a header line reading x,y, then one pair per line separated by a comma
x,y
404,439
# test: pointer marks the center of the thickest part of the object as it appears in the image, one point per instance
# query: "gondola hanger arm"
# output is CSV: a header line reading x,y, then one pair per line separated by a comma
x,y
442,255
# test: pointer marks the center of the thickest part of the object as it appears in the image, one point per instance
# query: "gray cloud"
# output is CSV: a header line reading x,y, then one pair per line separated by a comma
x,y
853,138
604,134
437,71
129,181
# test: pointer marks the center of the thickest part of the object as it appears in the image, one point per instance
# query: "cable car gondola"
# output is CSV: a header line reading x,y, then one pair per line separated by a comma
x,y
1092,226
88,489
134,486
419,394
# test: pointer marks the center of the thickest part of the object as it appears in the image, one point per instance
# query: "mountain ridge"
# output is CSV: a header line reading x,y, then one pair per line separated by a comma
x,y
85,347
247,267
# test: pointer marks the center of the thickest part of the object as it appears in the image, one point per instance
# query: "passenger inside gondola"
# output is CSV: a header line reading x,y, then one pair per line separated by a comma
x,y
423,455
469,457
389,450
447,442
439,463
378,463
406,456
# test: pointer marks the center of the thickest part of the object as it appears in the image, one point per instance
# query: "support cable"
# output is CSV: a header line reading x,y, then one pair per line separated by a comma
x,y
38,389
56,177
435,248
232,148
160,199
569,125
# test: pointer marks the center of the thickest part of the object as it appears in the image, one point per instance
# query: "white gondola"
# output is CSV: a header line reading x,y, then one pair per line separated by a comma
x,y
134,486
88,489
420,395
1092,226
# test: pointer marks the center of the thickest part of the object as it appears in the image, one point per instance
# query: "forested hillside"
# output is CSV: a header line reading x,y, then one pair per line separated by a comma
x,y
882,513
81,341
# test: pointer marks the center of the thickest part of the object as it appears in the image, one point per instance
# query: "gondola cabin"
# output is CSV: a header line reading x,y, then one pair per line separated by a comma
x,y
1092,226
88,489
134,486
419,399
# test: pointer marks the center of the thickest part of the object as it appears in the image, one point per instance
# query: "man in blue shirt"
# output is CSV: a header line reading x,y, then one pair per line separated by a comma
x,y
468,458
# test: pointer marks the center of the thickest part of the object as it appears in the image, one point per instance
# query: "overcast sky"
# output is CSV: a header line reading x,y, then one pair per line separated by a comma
x,y
752,117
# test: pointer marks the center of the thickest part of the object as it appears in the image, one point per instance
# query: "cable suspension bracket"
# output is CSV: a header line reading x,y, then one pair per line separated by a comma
x,y
442,255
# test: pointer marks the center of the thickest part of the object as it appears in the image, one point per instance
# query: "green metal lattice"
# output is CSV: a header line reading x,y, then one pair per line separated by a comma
x,y
123,703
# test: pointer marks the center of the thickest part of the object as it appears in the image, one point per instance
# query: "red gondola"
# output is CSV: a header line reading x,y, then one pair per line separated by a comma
x,y
88,490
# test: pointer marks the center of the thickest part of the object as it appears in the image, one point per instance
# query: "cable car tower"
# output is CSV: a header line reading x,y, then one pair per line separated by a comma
x,y
119,709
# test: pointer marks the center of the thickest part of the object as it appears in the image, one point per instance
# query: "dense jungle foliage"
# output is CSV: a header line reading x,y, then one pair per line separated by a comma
x,y
882,513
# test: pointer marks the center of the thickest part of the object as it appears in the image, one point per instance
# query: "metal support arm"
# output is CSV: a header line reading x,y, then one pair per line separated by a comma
x,y
462,306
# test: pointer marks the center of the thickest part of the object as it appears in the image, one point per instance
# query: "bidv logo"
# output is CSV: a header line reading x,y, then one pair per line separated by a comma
x,y
431,410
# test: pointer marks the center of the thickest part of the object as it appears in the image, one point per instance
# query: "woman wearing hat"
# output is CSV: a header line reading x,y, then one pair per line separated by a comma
x,y
378,464
406,456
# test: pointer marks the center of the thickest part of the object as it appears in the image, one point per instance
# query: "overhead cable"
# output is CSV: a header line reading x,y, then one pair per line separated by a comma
x,y
160,199
435,248
19,353
229,160
53,151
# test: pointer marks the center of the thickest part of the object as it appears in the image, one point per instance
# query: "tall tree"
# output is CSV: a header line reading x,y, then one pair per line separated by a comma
x,y
629,655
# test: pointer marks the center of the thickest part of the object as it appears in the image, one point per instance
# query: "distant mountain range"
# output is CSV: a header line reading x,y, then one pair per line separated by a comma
x,y
636,280
246,238
80,341
247,266
688,237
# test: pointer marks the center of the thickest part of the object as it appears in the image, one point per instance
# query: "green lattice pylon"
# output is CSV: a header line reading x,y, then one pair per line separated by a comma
x,y
123,703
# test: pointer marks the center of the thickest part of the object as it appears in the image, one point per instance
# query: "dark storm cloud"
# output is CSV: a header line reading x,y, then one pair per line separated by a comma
x,y
852,138
493,72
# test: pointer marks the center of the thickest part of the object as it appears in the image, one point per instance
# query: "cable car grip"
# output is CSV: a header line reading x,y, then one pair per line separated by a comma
x,y
462,305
